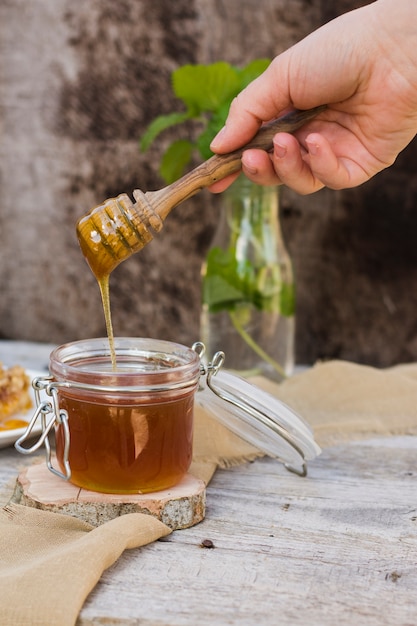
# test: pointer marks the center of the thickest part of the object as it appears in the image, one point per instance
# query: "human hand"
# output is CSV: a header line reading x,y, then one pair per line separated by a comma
x,y
363,65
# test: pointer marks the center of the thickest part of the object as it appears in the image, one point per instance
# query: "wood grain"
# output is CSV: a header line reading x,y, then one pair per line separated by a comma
x,y
179,507
337,547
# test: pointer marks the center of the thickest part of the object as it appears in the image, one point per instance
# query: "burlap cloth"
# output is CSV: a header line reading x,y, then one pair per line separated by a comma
x,y
50,562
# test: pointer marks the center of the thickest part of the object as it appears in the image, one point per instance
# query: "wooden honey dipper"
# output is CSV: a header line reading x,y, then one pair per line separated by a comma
x,y
118,228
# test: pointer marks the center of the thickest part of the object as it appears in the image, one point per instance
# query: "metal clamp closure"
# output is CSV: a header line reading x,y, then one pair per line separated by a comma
x,y
58,417
210,372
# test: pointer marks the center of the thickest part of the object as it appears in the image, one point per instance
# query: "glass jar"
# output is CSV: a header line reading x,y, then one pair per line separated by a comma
x,y
248,303
130,429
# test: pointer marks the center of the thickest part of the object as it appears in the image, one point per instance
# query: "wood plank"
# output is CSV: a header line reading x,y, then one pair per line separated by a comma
x,y
338,547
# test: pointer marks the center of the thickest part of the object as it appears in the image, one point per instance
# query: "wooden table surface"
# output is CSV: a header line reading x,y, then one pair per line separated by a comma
x,y
338,547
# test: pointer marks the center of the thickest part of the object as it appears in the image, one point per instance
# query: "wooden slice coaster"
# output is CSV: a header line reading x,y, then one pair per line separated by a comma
x,y
179,507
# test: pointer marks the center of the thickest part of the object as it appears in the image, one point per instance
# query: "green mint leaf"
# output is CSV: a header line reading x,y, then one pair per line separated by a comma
x,y
222,287
266,302
175,159
206,91
204,88
159,124
228,284
203,142
287,299
251,71
220,295
213,125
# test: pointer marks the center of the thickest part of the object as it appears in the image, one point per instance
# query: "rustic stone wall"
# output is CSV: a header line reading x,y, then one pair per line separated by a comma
x,y
79,83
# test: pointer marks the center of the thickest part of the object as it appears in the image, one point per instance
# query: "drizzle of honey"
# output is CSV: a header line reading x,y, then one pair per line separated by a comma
x,y
103,284
101,264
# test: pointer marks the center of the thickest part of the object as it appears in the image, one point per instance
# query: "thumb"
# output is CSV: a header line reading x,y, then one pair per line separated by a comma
x,y
257,103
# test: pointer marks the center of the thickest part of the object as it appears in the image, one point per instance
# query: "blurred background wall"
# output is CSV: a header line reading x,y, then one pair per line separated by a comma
x,y
79,82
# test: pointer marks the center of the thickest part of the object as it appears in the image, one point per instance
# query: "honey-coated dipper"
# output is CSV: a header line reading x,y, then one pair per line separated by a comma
x,y
118,228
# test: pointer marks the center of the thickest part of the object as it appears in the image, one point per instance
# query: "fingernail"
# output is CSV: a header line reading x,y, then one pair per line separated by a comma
x,y
249,169
279,150
218,138
313,148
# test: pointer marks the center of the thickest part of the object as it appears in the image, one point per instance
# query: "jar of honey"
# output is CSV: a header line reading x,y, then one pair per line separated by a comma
x,y
125,430
125,425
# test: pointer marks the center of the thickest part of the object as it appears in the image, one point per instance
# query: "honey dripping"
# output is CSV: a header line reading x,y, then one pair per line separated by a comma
x,y
107,236
103,284
94,231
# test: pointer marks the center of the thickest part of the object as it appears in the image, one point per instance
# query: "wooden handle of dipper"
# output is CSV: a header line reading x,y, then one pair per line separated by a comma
x,y
221,165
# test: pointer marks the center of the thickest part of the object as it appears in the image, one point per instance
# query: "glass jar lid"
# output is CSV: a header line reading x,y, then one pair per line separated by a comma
x,y
257,417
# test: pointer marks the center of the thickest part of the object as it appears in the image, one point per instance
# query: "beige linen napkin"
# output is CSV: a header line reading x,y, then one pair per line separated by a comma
x,y
345,401
50,562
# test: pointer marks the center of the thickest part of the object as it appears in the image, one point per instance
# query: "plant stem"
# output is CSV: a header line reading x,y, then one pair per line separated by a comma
x,y
254,346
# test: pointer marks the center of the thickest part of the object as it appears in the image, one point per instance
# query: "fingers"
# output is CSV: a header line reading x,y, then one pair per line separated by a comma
x,y
305,167
240,128
255,104
288,165
307,162
294,165
258,166
338,166
223,184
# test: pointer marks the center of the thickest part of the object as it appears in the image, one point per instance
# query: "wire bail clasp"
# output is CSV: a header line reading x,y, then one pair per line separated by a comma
x,y
211,369
59,416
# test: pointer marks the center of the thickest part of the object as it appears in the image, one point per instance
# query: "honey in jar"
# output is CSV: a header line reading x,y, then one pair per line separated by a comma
x,y
130,429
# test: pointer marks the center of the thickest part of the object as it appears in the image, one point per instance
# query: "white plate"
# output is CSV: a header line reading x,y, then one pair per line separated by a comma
x,y
9,437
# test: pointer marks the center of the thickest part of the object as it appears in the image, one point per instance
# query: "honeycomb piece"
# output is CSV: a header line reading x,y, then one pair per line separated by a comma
x,y
14,391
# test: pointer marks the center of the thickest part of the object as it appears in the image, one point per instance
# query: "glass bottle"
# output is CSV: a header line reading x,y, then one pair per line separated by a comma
x,y
248,286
